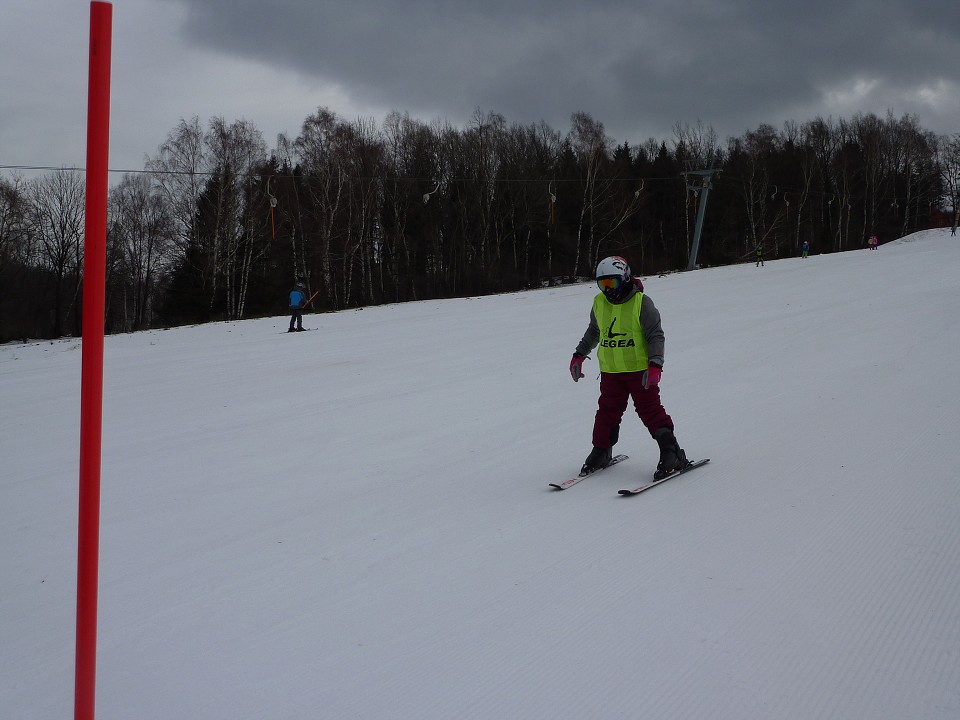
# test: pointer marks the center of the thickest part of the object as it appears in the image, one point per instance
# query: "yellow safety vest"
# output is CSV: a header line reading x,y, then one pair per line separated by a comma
x,y
622,346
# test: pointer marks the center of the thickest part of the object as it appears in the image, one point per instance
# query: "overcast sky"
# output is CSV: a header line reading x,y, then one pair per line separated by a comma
x,y
639,67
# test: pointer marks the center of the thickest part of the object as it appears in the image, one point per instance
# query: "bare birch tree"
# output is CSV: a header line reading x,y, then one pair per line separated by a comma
x,y
142,235
16,254
237,239
325,179
751,156
57,201
948,166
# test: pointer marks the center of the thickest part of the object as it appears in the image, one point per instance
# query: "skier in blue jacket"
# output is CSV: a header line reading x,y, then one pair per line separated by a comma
x,y
298,301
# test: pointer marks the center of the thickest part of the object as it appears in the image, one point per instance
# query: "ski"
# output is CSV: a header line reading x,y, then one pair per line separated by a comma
x,y
577,478
647,486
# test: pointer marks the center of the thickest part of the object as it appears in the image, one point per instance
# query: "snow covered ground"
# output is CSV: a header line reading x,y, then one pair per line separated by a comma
x,y
355,522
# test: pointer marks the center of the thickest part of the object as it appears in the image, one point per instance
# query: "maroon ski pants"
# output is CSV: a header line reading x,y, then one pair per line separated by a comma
x,y
615,390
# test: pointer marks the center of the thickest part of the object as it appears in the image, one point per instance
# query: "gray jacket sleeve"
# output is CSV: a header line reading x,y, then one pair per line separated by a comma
x,y
590,338
652,332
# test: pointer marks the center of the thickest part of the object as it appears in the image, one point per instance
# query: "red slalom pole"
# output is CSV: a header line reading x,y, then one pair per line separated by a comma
x,y
91,379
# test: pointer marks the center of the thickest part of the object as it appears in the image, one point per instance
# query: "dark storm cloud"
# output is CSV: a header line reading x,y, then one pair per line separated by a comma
x,y
638,67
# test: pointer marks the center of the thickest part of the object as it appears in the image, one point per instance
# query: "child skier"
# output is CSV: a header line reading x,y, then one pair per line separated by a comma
x,y
625,324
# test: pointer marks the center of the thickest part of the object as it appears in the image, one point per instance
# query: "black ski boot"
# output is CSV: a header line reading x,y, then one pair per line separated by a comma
x,y
597,459
672,457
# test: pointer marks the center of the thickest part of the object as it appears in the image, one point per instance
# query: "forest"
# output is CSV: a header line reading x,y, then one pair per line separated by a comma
x,y
217,226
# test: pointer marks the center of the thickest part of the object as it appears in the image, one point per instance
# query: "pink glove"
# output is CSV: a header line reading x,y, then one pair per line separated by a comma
x,y
651,377
576,366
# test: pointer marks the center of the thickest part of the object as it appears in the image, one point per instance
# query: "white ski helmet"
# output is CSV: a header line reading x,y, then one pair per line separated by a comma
x,y
613,277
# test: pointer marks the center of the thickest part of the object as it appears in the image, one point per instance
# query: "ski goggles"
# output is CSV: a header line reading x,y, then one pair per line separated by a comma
x,y
606,284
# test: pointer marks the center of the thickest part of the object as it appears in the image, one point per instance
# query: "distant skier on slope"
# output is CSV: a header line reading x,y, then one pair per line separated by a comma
x,y
625,324
298,301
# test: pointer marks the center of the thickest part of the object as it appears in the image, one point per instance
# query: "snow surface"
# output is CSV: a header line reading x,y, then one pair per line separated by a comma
x,y
355,522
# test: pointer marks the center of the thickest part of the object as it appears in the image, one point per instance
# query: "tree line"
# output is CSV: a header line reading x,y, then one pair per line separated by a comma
x,y
218,227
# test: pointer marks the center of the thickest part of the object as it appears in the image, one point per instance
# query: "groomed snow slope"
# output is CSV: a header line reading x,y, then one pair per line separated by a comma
x,y
355,522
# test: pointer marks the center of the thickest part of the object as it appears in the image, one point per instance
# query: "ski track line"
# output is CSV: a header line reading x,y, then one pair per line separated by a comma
x,y
886,621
